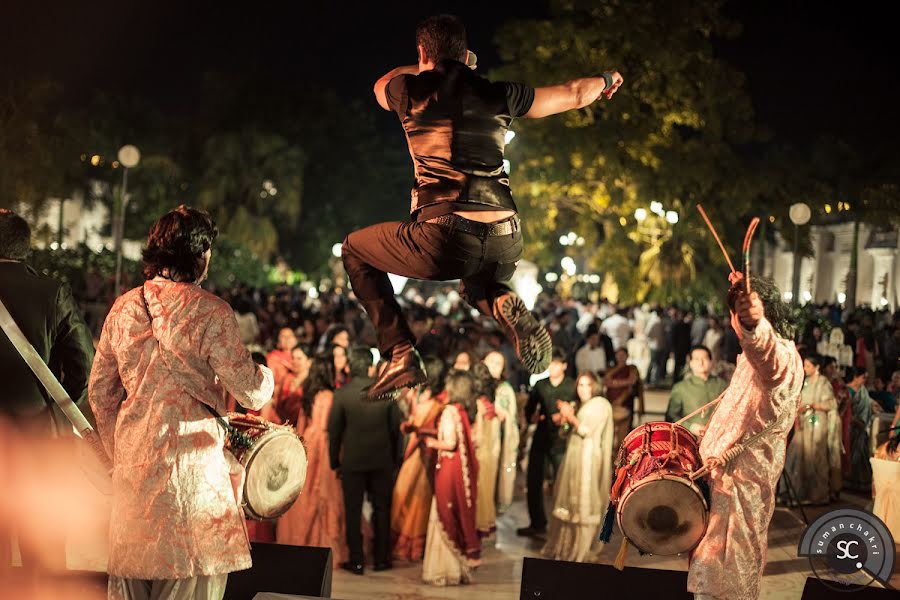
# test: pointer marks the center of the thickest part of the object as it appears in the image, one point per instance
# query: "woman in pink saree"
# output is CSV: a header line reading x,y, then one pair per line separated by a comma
x,y
317,517
452,547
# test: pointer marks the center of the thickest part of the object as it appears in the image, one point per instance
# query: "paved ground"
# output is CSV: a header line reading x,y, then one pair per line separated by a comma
x,y
499,577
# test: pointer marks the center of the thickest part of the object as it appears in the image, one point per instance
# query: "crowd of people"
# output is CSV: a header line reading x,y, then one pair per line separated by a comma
x,y
440,463
480,417
465,390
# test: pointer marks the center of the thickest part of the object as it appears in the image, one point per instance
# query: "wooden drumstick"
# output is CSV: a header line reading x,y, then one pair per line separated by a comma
x,y
716,236
748,238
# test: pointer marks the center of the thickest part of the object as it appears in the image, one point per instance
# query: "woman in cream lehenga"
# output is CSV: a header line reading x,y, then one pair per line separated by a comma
x,y
813,459
508,412
486,438
581,493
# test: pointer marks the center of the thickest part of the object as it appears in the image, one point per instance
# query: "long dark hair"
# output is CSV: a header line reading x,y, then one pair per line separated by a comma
x,y
320,378
176,244
460,386
435,369
485,384
778,312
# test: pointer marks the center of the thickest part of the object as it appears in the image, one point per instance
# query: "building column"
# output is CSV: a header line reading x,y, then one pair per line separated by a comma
x,y
883,276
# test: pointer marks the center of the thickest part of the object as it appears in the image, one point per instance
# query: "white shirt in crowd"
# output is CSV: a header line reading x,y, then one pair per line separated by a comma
x,y
618,330
656,334
591,359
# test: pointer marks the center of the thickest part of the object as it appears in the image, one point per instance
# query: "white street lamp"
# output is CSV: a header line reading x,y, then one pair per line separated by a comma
x,y
336,250
800,215
129,157
640,214
672,217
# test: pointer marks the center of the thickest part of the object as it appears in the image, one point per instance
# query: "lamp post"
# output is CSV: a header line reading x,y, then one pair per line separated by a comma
x,y
129,157
799,214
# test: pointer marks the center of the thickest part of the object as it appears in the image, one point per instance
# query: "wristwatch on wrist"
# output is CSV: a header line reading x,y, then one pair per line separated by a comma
x,y
608,78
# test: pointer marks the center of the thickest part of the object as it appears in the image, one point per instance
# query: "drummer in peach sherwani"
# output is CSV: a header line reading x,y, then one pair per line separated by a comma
x,y
766,387
176,528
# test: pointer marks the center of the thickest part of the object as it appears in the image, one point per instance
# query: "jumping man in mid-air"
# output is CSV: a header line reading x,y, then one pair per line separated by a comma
x,y
463,219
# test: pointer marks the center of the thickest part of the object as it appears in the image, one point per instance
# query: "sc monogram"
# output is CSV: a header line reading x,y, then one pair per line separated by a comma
x,y
844,547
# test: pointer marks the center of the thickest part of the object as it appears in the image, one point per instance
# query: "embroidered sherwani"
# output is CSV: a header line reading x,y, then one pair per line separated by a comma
x,y
766,386
175,514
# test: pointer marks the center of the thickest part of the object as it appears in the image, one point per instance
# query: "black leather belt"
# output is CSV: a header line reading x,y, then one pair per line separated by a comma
x,y
504,227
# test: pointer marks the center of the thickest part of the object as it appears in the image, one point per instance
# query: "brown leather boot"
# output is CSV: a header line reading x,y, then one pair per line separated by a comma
x,y
404,370
531,341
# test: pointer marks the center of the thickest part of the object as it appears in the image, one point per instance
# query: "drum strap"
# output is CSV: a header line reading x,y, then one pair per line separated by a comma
x,y
735,450
236,438
52,385
700,410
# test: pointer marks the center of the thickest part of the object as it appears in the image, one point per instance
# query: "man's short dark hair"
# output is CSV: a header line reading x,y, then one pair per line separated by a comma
x,y
15,236
176,244
700,347
559,355
360,361
442,37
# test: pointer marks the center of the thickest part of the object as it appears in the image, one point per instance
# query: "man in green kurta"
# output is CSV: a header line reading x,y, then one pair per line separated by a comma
x,y
695,390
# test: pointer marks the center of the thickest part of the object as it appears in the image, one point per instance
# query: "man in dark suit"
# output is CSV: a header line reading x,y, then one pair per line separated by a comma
x,y
50,319
363,447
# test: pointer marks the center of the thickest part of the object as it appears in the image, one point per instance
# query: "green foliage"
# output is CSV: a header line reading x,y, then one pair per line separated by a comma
x,y
672,134
88,273
251,180
232,262
35,151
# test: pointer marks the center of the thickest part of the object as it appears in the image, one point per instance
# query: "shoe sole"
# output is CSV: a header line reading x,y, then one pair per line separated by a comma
x,y
532,342
417,379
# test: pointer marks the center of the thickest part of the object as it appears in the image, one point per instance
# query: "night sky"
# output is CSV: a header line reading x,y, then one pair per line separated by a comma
x,y
812,68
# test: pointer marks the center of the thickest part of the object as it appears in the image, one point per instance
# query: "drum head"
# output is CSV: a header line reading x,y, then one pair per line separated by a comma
x,y
276,473
663,516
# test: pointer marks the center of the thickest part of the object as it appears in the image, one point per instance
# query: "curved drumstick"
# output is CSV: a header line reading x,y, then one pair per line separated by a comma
x,y
748,238
716,236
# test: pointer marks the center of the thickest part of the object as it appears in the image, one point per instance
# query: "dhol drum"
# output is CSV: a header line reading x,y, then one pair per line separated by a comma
x,y
274,459
659,507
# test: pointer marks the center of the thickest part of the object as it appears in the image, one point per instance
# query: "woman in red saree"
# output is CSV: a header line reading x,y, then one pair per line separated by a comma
x,y
452,547
414,489
280,360
289,407
623,387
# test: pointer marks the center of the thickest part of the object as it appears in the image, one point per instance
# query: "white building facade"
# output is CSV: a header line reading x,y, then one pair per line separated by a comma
x,y
823,276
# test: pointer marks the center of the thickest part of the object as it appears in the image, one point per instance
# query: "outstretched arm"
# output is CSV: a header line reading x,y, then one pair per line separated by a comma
x,y
576,93
381,84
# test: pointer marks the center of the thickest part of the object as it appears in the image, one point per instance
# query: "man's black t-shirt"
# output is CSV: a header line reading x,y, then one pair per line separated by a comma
x,y
519,96
455,123
543,398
